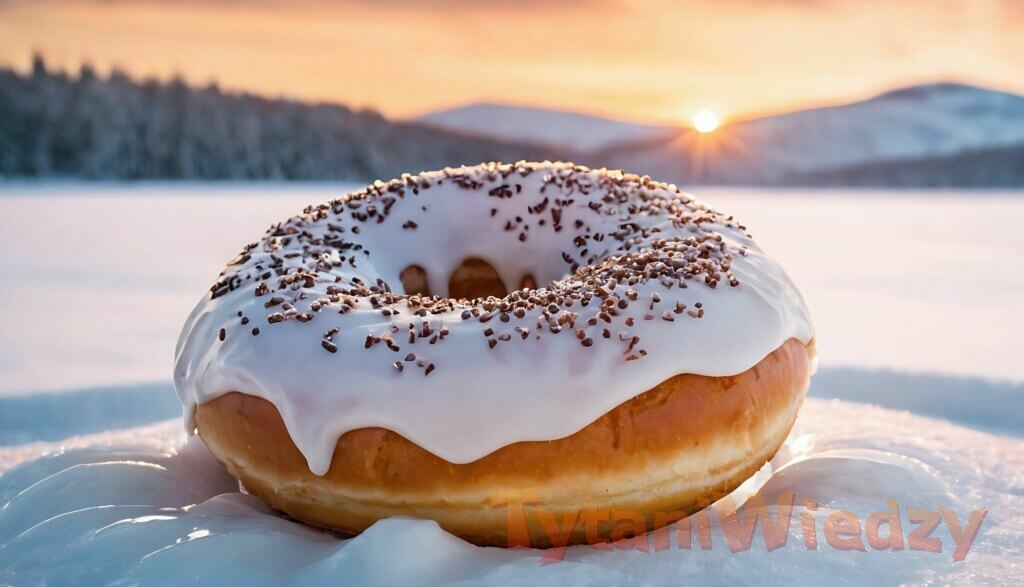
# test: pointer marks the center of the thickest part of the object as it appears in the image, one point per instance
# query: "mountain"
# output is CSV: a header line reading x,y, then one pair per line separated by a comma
x,y
564,130
56,125
941,123
907,136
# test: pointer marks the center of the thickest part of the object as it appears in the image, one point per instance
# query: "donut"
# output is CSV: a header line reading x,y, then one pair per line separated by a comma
x,y
451,344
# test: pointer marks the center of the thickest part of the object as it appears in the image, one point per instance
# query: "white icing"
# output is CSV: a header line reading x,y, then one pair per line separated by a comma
x,y
479,399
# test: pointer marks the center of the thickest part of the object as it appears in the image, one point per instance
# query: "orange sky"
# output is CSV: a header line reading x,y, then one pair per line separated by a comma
x,y
645,60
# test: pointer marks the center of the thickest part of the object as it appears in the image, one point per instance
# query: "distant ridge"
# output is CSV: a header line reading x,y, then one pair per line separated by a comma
x,y
925,90
561,129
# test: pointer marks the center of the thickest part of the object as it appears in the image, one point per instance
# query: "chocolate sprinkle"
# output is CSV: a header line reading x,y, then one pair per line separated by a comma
x,y
604,262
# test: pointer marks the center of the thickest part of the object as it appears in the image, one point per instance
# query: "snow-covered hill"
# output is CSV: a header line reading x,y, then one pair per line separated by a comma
x,y
145,506
921,123
565,130
939,128
911,123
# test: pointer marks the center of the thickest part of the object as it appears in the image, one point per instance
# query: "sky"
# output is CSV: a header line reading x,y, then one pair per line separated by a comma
x,y
642,60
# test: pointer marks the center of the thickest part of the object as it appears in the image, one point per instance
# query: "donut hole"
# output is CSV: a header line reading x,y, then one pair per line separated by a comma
x,y
414,280
476,278
473,278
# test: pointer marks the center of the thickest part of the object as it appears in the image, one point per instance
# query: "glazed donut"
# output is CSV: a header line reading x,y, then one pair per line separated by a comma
x,y
435,344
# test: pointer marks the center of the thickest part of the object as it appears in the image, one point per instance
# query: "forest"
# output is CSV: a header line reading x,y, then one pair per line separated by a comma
x,y
59,125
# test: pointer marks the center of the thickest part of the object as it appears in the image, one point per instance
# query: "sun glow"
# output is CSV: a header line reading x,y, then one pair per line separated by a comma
x,y
705,121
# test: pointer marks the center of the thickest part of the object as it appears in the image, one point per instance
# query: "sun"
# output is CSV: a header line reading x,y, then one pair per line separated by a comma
x,y
705,121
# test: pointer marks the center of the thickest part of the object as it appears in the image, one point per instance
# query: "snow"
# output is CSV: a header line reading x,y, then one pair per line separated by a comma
x,y
567,130
117,268
144,506
916,296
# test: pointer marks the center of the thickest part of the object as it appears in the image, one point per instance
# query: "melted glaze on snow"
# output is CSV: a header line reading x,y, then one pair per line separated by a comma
x,y
148,507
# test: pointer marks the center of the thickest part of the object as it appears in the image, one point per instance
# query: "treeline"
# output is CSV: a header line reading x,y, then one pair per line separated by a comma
x,y
57,125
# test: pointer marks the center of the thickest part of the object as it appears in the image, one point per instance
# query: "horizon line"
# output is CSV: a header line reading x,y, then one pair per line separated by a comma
x,y
107,71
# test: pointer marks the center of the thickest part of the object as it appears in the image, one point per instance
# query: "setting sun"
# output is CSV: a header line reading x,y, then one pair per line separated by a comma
x,y
705,121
